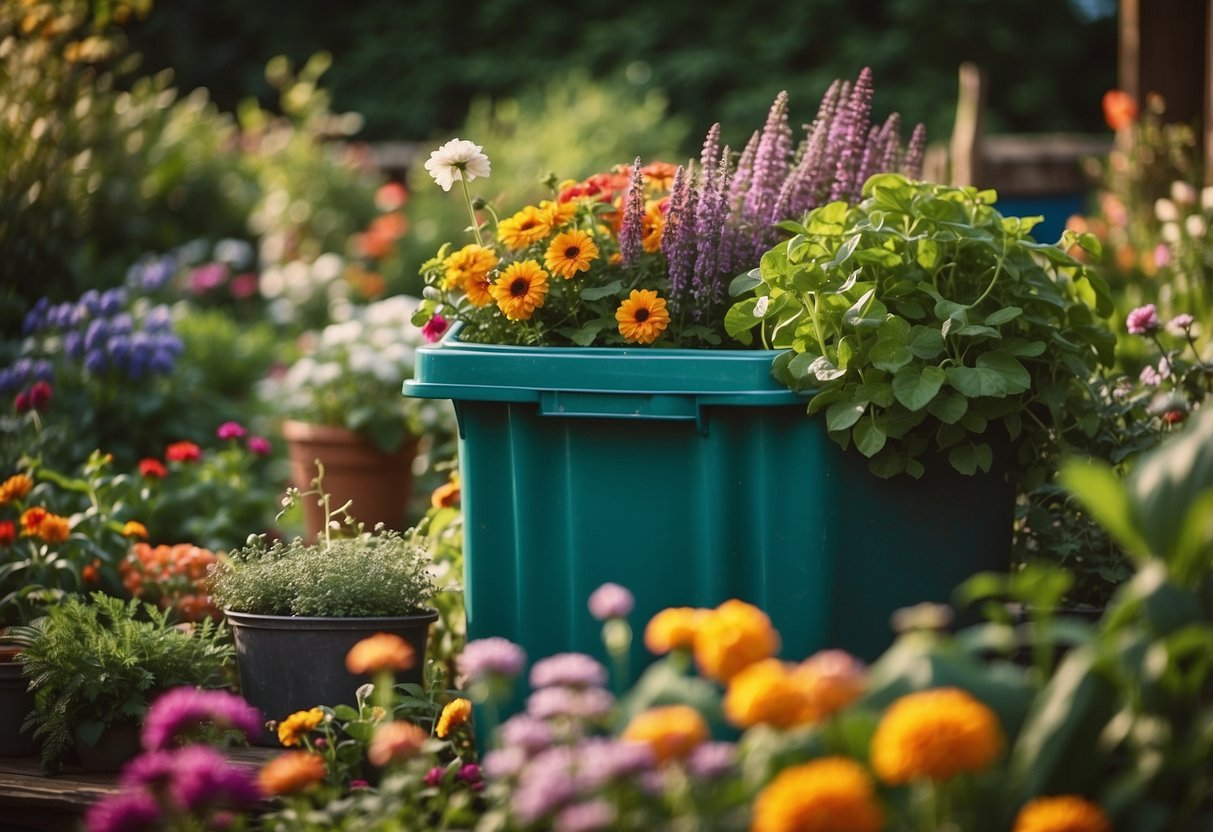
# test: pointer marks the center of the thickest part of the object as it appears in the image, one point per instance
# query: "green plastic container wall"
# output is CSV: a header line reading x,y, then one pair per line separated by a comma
x,y
690,477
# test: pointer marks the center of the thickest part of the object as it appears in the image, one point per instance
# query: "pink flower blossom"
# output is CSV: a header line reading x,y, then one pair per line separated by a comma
x,y
611,601
1143,320
434,328
231,430
1181,323
259,445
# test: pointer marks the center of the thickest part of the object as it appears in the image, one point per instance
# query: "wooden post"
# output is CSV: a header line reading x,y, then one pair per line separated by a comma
x,y
966,147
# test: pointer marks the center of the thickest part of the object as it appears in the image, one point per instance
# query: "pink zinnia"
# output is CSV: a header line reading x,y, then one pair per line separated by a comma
x,y
231,430
434,328
1181,323
611,601
259,445
1143,320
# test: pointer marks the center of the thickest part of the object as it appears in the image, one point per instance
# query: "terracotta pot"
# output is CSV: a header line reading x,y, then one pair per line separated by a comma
x,y
378,484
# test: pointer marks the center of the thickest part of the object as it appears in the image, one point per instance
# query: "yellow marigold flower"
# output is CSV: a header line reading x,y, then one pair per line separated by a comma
x,y
31,519
832,794
1065,813
291,772
54,528
472,262
767,693
935,734
672,731
672,628
643,316
395,741
133,528
292,730
457,712
732,637
526,227
520,290
832,680
15,487
654,226
557,214
570,252
382,651
477,289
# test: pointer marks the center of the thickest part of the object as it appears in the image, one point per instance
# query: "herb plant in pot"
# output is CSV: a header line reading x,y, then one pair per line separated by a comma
x,y
341,405
296,609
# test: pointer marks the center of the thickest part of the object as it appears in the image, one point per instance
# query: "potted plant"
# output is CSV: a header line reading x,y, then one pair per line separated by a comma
x,y
95,664
342,405
296,608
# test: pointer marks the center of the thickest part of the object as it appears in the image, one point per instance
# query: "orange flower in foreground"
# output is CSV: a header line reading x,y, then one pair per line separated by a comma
x,y
672,731
935,735
520,290
1119,109
133,528
831,794
767,693
31,519
457,712
382,651
15,487
672,629
291,772
642,316
524,228
182,452
731,637
1064,813
395,741
447,494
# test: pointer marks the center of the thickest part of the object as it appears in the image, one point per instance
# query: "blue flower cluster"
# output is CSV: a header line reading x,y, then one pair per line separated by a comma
x,y
101,333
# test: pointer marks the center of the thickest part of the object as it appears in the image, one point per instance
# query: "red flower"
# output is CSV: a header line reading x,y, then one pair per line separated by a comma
x,y
40,395
1174,417
21,402
1119,109
152,468
8,532
183,452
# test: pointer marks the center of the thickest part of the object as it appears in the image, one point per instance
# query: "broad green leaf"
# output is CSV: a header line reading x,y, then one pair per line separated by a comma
x,y
844,252
743,283
975,382
878,257
802,364
964,459
586,334
738,319
928,254
915,387
1004,315
600,292
822,369
890,352
841,415
925,343
948,408
869,438
879,393
857,309
977,330
1014,374
1020,348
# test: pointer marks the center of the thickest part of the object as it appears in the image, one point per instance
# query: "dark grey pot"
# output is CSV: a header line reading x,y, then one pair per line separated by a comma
x,y
15,704
293,663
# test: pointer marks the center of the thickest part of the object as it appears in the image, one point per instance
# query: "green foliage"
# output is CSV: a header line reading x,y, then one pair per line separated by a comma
x,y
371,574
921,316
94,663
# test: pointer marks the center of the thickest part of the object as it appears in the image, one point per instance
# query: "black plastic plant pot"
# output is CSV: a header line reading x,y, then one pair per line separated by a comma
x,y
15,704
293,663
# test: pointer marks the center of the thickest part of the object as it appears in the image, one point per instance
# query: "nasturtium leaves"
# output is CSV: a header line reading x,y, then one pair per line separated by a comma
x,y
925,343
948,408
915,387
1004,315
843,414
869,438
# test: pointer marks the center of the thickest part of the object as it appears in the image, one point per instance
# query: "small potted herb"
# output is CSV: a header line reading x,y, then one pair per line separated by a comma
x,y
296,608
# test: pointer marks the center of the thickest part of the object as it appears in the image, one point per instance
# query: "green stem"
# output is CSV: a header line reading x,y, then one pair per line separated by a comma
x,y
467,198
810,300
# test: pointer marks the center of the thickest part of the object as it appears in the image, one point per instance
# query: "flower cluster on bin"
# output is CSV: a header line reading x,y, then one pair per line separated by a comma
x,y
643,253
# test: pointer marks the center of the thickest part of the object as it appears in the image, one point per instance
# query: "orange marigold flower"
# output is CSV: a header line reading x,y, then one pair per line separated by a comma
x,y
54,528
457,712
295,727
31,519
642,316
382,651
16,487
832,794
832,680
935,734
291,772
91,573
8,532
672,628
731,637
470,263
659,176
133,528
1064,813
557,214
526,227
654,226
1119,109
570,252
520,290
447,494
767,693
183,452
672,731
395,741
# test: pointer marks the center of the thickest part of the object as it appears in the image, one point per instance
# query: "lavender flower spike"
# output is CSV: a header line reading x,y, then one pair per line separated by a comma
x,y
859,108
631,229
710,155
710,216
912,166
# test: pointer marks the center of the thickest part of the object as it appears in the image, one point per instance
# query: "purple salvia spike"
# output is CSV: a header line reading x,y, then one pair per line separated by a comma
x,y
711,151
682,261
709,224
770,169
872,151
859,109
674,219
891,144
832,148
631,228
912,166
733,246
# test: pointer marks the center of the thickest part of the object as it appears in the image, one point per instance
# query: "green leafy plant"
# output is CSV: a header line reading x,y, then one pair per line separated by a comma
x,y
920,316
92,663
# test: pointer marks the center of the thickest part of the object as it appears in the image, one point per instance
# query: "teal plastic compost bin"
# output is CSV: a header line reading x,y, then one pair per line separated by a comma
x,y
690,477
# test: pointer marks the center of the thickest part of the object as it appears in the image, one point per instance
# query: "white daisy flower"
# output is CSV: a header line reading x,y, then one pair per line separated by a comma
x,y
455,160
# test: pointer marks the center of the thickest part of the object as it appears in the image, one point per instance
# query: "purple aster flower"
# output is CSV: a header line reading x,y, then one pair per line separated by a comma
x,y
1181,324
112,301
544,787
205,778
434,328
151,274
158,319
492,656
124,812
504,763
89,304
152,771
472,775
602,760
591,816
96,361
569,669
527,733
611,601
182,710
710,760
631,228
259,445
1143,320
231,430
578,703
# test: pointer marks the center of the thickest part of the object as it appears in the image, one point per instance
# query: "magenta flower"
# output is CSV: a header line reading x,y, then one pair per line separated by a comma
x,y
433,777
501,763
1143,320
1181,323
40,395
205,779
259,445
124,812
231,430
434,328
182,711
471,775
568,669
493,656
611,601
